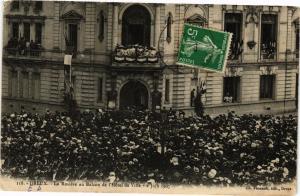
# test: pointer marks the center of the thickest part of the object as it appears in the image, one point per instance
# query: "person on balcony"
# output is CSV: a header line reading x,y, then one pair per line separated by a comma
x,y
228,98
27,47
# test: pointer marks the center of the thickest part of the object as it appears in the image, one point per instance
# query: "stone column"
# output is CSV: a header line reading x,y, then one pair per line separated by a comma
x,y
157,25
115,25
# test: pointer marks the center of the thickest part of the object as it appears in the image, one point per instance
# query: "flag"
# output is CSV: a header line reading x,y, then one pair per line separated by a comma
x,y
68,59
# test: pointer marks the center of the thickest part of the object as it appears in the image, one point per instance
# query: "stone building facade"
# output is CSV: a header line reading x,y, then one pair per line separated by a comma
x,y
125,54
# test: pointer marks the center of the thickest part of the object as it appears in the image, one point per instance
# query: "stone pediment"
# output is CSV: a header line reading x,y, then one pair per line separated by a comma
x,y
72,15
197,18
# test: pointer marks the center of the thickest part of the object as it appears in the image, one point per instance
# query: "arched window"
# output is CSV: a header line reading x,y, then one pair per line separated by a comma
x,y
136,26
101,25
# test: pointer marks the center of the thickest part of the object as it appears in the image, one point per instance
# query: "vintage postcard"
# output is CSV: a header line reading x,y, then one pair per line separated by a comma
x,y
136,97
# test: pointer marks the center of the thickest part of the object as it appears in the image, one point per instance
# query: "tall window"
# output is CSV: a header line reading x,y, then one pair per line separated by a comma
x,y
15,30
268,36
36,85
297,42
136,26
233,24
38,33
169,28
297,86
26,31
72,21
25,85
13,83
231,89
267,86
167,90
100,90
73,36
101,26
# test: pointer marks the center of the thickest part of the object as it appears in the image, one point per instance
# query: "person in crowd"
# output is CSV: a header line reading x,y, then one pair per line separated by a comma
x,y
113,146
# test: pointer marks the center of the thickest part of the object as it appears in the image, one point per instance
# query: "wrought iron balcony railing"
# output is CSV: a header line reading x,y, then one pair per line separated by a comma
x,y
25,52
135,54
268,50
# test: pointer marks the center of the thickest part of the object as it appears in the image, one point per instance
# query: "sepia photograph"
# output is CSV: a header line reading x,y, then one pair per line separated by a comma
x,y
141,97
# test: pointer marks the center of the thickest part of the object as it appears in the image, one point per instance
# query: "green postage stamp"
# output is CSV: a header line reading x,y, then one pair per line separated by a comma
x,y
204,48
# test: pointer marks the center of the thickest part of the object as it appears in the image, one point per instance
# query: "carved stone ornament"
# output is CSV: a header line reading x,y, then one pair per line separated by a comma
x,y
252,14
268,70
233,71
251,44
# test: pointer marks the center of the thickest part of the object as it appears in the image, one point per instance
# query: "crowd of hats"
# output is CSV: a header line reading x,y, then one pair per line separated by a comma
x,y
137,146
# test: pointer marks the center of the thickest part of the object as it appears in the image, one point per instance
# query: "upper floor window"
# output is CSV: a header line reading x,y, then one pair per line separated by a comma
x,y
231,89
167,90
297,42
38,33
72,21
73,36
101,26
268,36
136,26
297,36
233,24
267,86
26,31
15,5
169,27
38,6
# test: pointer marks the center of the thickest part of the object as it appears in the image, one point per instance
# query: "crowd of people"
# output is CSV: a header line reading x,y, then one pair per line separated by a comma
x,y
141,146
23,47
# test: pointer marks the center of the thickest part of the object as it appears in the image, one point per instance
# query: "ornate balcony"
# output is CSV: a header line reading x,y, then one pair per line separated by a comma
x,y
135,54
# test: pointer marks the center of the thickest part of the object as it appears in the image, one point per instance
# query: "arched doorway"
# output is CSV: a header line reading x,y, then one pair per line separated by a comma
x,y
136,26
134,94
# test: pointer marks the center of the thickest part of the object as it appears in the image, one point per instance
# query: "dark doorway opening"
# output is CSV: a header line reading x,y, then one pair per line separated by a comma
x,y
134,94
